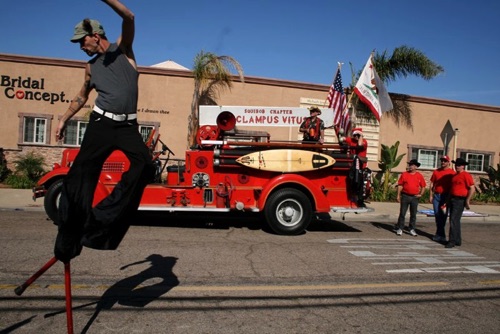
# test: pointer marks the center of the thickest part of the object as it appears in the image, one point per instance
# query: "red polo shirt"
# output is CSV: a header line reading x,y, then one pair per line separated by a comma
x,y
460,184
441,180
412,183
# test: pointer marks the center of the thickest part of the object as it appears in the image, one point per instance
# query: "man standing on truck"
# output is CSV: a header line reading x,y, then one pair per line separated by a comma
x,y
112,72
356,144
313,127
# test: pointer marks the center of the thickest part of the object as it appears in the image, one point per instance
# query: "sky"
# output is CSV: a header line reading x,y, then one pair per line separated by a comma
x,y
292,40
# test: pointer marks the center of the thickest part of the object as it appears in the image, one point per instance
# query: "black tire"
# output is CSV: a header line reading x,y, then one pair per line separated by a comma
x,y
51,200
288,211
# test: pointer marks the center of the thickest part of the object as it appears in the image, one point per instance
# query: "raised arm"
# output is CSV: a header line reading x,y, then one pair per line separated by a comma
x,y
128,27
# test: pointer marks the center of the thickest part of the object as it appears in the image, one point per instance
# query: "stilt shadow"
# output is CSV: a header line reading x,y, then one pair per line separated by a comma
x,y
133,291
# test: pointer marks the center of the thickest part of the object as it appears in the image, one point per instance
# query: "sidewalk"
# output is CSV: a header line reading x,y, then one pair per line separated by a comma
x,y
21,199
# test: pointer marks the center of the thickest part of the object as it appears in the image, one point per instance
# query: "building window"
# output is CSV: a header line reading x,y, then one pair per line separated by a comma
x,y
34,130
478,161
74,132
145,130
428,158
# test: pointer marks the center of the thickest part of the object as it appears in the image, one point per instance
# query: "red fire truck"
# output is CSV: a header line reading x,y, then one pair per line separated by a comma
x,y
230,170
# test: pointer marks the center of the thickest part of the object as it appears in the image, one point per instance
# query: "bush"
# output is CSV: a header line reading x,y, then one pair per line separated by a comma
x,y
28,170
489,187
382,194
379,194
4,171
389,159
17,181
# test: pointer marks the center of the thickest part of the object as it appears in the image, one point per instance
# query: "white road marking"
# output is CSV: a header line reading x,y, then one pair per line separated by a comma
x,y
394,252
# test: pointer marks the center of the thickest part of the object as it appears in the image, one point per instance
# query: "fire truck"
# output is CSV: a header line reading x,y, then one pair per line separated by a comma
x,y
289,183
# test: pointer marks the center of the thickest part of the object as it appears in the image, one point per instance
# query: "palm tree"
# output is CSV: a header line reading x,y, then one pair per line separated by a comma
x,y
403,62
211,75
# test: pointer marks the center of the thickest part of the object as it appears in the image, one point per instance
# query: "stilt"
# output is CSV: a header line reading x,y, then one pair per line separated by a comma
x,y
69,307
20,289
67,284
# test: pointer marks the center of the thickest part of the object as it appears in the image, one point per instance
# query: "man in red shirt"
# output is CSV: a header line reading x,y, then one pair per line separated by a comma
x,y
462,189
357,144
439,190
411,186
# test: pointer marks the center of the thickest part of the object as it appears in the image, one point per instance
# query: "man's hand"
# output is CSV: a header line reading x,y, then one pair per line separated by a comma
x,y
60,131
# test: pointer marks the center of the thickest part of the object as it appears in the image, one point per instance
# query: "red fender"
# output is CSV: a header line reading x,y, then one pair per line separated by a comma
x,y
101,192
55,173
319,198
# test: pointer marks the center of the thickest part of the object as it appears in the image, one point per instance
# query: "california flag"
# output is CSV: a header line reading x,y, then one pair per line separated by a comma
x,y
372,92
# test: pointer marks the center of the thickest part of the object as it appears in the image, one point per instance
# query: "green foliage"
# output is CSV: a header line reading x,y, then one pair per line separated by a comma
x,y
489,187
378,194
389,159
212,75
426,196
17,181
404,62
4,171
28,170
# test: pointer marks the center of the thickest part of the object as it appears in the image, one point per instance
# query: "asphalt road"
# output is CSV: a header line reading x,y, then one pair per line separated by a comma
x,y
184,274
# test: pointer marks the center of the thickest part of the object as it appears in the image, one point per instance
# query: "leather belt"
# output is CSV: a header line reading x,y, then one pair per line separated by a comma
x,y
459,197
115,117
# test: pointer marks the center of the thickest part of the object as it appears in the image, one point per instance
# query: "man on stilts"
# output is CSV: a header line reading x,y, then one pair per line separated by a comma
x,y
112,72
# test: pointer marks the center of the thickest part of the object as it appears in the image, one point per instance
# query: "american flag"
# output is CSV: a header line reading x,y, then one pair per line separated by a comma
x,y
345,122
336,99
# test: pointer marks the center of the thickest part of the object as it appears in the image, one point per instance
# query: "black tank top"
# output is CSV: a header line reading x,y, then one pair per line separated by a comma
x,y
115,81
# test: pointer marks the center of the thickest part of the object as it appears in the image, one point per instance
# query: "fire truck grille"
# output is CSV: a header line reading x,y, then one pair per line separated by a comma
x,y
208,196
117,167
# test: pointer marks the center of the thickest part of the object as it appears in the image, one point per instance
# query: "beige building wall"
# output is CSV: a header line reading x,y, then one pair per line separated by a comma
x,y
165,100
432,118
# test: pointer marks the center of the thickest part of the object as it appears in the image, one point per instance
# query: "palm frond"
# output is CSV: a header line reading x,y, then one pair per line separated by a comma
x,y
403,62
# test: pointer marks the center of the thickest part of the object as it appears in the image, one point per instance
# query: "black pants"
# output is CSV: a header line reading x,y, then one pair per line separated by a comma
x,y
408,201
104,226
457,205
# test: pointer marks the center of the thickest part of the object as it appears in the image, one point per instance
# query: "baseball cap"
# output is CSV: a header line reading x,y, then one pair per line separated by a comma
x,y
445,158
87,27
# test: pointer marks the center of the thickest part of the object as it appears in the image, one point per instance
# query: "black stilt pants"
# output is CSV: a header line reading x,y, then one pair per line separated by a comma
x,y
105,225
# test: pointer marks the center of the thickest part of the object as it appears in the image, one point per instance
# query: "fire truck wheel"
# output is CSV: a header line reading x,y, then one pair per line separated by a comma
x,y
51,200
288,211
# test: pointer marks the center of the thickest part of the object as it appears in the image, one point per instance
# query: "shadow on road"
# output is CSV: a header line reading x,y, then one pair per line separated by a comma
x,y
136,291
205,220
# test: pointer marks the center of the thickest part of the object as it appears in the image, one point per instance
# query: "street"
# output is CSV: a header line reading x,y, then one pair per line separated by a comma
x,y
188,274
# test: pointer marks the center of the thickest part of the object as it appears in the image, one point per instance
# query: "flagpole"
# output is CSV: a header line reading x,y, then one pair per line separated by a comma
x,y
347,108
